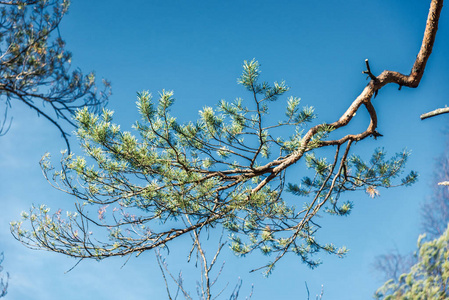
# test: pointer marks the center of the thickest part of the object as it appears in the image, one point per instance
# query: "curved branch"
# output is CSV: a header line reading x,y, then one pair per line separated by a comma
x,y
64,134
412,80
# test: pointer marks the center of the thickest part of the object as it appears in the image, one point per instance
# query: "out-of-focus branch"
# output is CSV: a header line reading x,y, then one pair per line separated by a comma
x,y
435,112
3,283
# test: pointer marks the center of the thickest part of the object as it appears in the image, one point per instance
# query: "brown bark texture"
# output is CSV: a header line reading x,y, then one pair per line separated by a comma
x,y
411,80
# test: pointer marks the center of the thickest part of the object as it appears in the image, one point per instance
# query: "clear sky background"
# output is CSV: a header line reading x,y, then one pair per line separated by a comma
x,y
197,48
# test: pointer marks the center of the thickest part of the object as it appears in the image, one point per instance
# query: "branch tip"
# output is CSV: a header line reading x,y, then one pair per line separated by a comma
x,y
368,71
435,112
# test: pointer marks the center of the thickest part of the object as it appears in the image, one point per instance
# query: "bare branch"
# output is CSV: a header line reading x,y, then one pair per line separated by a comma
x,y
435,112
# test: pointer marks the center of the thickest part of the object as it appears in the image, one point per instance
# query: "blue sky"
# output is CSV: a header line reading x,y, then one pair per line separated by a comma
x,y
197,48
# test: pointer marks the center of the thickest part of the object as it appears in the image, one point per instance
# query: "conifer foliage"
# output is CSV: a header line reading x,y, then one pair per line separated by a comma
x,y
217,171
428,278
34,64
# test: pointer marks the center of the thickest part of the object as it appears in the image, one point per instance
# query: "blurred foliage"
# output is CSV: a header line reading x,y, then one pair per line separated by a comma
x,y
428,278
3,281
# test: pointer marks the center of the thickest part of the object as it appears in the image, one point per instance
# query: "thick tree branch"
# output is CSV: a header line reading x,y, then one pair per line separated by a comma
x,y
412,80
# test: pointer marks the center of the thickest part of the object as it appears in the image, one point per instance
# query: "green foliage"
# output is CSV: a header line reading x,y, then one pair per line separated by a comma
x,y
356,174
176,178
428,278
34,65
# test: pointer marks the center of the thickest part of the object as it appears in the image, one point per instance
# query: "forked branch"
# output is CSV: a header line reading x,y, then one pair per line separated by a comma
x,y
216,172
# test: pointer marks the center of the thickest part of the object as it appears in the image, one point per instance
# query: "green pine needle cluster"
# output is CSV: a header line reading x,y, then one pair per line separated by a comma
x,y
218,171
